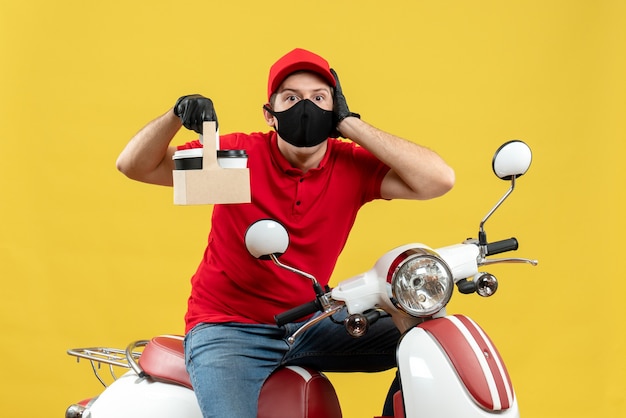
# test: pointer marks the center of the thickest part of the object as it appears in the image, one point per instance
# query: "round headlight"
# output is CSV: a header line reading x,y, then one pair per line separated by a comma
x,y
421,282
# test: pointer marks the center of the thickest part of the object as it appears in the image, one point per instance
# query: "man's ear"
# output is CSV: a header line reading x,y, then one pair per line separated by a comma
x,y
269,118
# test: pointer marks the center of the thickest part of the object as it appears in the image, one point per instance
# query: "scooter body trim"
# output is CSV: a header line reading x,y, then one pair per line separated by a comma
x,y
449,367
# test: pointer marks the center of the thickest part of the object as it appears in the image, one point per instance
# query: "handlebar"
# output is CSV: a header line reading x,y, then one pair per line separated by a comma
x,y
503,246
292,315
309,308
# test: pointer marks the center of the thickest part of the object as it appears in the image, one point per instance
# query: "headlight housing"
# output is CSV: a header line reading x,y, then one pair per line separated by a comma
x,y
421,282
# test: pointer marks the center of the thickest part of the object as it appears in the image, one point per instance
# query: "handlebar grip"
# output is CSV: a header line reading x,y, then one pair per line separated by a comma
x,y
296,313
502,246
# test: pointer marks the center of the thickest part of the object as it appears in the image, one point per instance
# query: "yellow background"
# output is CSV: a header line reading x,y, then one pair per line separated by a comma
x,y
90,258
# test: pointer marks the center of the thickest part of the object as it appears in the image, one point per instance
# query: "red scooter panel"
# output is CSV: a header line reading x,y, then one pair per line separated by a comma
x,y
298,392
475,359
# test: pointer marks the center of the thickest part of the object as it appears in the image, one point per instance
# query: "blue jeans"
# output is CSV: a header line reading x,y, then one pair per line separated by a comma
x,y
228,363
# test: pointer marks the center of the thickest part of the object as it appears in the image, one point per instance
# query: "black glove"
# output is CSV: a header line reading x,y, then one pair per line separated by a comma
x,y
340,107
193,110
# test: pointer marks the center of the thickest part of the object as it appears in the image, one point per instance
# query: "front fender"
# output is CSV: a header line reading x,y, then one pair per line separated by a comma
x,y
449,367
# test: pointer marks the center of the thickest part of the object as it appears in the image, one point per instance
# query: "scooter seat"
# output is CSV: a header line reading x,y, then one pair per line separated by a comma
x,y
163,358
290,392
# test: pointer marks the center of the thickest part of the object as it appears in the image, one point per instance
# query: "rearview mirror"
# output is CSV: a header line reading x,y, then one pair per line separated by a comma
x,y
512,159
266,237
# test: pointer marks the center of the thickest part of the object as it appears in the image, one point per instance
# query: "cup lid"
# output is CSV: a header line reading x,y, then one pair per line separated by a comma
x,y
232,153
187,153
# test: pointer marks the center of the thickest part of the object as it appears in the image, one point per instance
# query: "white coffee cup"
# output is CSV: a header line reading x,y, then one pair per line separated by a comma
x,y
232,158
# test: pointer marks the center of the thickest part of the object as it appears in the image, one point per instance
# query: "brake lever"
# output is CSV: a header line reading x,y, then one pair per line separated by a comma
x,y
333,308
486,262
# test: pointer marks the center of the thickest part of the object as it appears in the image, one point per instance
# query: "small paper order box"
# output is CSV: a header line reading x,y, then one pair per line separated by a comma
x,y
211,184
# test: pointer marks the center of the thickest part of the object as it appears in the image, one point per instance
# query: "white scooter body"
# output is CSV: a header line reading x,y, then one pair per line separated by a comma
x,y
131,396
448,368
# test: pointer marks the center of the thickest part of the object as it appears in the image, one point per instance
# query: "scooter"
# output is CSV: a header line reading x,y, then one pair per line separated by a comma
x,y
447,365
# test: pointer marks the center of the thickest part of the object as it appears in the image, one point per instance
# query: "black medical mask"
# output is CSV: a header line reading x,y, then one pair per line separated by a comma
x,y
305,124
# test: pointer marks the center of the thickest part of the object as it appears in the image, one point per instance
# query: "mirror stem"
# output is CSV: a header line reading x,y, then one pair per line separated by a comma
x,y
482,235
319,291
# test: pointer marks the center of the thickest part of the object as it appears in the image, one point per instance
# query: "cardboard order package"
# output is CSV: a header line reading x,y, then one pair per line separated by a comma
x,y
211,184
